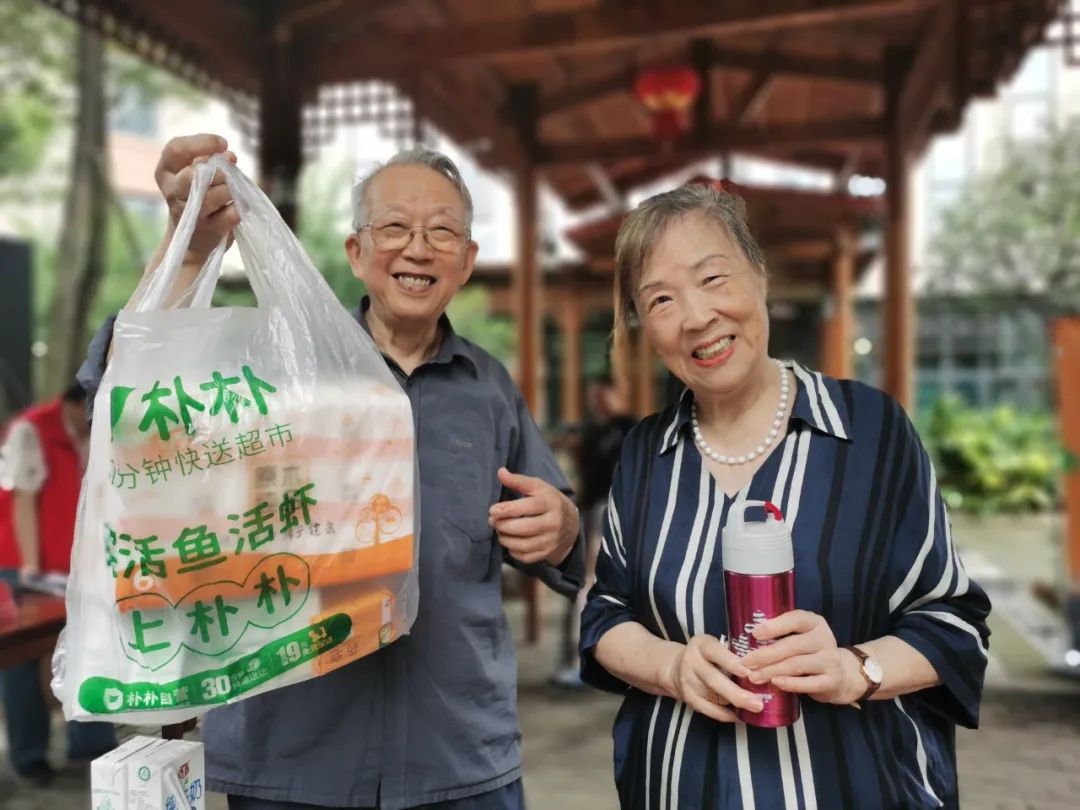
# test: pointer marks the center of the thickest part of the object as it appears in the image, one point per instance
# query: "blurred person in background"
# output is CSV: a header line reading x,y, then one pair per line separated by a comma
x,y
888,645
430,720
606,425
41,467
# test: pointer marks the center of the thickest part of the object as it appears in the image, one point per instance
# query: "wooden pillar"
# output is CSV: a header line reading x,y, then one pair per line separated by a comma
x,y
280,128
526,284
899,305
571,322
840,326
622,368
526,289
1067,359
701,56
646,376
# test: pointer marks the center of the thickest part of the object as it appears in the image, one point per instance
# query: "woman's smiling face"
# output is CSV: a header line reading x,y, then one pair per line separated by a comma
x,y
702,304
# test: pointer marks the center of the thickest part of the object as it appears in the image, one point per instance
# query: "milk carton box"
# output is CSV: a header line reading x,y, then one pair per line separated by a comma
x,y
170,776
109,773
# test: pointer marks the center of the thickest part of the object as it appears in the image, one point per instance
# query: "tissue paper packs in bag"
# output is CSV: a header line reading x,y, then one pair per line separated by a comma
x,y
247,515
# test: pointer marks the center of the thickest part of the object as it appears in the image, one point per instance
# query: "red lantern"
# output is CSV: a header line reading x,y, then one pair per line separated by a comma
x,y
668,93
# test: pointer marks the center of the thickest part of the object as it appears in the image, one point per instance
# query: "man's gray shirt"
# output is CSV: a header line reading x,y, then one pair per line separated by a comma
x,y
432,717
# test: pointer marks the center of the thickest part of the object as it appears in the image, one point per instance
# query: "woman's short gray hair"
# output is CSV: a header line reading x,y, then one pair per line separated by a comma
x,y
416,156
642,228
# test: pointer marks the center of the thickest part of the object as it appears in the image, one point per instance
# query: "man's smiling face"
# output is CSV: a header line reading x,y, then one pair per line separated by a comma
x,y
411,286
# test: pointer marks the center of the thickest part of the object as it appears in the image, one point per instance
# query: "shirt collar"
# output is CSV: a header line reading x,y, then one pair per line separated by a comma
x,y
678,422
818,404
453,345
815,405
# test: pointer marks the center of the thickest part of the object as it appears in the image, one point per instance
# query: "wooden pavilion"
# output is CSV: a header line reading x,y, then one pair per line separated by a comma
x,y
545,90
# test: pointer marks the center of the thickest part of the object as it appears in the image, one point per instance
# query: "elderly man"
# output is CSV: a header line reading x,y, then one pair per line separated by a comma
x,y
431,720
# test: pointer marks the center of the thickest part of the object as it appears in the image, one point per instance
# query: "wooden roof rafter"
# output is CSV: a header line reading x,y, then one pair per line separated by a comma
x,y
717,138
610,25
753,96
310,20
777,62
799,81
220,57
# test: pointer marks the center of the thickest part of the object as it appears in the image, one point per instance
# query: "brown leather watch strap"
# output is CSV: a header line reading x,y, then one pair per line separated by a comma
x,y
871,685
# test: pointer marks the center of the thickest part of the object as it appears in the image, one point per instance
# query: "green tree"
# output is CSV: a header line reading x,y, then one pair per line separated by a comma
x,y
35,65
1016,232
324,222
999,460
60,80
470,312
80,260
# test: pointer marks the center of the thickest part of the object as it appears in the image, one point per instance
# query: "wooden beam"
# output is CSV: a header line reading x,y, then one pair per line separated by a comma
x,y
226,50
523,110
752,99
571,322
607,189
461,120
932,84
578,95
840,69
461,117
811,249
527,291
1066,337
657,169
610,24
624,181
840,326
280,130
646,376
856,71
717,140
329,19
847,171
702,118
622,366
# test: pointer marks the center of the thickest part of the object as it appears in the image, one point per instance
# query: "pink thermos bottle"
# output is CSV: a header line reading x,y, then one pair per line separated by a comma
x,y
759,581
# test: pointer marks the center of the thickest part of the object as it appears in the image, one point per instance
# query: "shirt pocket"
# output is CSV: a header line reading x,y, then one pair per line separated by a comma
x,y
470,490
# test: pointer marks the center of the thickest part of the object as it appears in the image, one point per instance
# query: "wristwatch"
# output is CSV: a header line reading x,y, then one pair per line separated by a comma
x,y
870,670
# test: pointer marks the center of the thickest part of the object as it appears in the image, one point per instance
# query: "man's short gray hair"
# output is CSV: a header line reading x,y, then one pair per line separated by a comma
x,y
416,156
643,227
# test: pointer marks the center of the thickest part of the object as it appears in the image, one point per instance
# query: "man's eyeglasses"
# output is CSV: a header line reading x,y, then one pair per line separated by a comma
x,y
392,235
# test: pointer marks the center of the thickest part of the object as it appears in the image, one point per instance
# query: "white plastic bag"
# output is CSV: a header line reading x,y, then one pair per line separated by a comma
x,y
247,516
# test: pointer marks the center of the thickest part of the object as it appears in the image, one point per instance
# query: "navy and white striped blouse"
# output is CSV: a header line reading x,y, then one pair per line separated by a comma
x,y
873,555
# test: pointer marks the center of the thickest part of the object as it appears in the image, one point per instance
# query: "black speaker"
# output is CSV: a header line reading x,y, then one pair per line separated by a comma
x,y
16,314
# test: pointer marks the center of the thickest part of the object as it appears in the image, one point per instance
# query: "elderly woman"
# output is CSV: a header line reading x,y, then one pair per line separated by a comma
x,y
888,646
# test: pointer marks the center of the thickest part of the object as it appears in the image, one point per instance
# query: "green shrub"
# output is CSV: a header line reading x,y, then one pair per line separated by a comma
x,y
999,460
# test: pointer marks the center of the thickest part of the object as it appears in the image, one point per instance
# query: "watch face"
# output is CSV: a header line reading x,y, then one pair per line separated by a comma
x,y
873,670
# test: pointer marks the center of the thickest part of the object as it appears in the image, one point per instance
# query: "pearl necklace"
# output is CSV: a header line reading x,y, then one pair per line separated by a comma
x,y
778,420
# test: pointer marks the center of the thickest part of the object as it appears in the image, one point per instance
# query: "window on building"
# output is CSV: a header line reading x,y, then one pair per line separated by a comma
x,y
985,358
1028,100
134,113
947,171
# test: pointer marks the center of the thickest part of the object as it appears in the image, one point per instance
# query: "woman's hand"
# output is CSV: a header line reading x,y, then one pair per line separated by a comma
x,y
699,675
803,658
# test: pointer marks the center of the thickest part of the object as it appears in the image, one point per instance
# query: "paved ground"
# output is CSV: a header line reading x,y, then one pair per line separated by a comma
x,y
1026,756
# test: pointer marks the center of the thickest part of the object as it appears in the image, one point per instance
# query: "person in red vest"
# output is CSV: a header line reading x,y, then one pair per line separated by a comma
x,y
41,467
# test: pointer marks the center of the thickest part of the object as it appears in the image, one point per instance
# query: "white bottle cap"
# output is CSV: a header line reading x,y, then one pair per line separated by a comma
x,y
759,548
